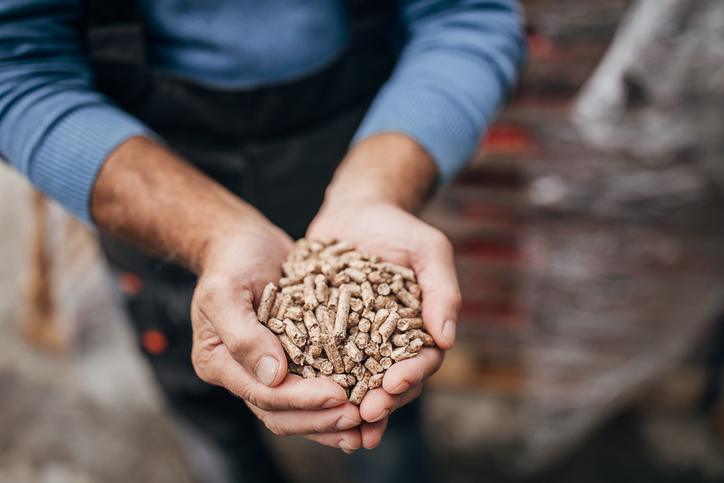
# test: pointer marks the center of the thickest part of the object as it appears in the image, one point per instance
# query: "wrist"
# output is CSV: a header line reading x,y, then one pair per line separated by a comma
x,y
228,238
388,168
148,196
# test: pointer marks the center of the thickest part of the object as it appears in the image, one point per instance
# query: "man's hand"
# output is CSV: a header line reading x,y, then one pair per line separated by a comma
x,y
148,196
232,349
368,203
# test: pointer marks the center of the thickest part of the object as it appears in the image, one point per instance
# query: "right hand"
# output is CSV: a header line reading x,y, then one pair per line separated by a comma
x,y
147,195
233,350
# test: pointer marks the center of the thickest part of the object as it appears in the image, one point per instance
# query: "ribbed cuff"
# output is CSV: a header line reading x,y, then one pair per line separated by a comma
x,y
66,164
443,130
447,121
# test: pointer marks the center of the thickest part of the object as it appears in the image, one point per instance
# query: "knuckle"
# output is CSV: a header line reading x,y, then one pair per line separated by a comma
x,y
247,394
437,240
257,400
238,347
320,426
201,363
273,425
208,289
263,405
278,431
275,401
457,298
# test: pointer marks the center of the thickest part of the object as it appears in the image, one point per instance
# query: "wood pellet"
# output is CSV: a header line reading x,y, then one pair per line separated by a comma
x,y
344,315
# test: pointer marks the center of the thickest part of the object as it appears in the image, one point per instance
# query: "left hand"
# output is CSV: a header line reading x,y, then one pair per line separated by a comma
x,y
383,228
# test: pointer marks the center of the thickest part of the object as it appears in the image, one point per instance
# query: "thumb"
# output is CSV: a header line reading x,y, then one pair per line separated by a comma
x,y
441,299
228,306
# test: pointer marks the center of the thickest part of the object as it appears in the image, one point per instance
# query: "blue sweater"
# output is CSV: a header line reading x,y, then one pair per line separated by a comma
x,y
458,61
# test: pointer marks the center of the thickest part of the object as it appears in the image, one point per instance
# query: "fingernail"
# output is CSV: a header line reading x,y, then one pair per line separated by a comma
x,y
401,387
346,447
382,416
344,423
266,370
448,331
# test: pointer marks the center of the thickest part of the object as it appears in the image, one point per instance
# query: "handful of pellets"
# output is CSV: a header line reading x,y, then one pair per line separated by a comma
x,y
344,315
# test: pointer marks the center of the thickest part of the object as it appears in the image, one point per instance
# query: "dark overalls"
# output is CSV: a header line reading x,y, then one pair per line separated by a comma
x,y
275,147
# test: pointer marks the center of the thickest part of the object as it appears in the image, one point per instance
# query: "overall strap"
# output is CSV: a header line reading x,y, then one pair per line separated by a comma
x,y
115,32
116,47
367,19
111,11
171,105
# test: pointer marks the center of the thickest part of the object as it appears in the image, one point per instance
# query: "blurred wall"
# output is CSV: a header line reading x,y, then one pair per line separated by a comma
x,y
484,211
589,265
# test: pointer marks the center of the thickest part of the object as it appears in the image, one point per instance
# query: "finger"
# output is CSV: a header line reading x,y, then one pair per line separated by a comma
x,y
372,433
398,380
285,423
348,441
293,393
227,304
378,403
434,264
411,372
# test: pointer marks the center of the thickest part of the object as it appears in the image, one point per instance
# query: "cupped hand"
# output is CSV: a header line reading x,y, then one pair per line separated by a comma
x,y
232,349
149,196
384,229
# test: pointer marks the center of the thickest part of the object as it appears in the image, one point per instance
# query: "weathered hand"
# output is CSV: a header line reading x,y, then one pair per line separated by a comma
x,y
399,237
232,349
147,195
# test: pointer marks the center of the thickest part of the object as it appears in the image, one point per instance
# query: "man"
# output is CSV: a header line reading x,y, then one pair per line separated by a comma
x,y
195,130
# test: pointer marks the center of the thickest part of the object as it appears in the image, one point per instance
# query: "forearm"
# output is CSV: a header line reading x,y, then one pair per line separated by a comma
x,y
387,167
148,196
54,127
459,61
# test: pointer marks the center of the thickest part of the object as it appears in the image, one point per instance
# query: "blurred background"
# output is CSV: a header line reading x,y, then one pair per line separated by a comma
x,y
589,234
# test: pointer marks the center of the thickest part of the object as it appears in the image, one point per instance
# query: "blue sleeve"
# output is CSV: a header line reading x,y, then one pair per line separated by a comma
x,y
459,61
53,127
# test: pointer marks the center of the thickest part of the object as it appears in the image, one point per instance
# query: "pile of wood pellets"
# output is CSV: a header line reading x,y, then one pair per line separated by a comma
x,y
344,315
